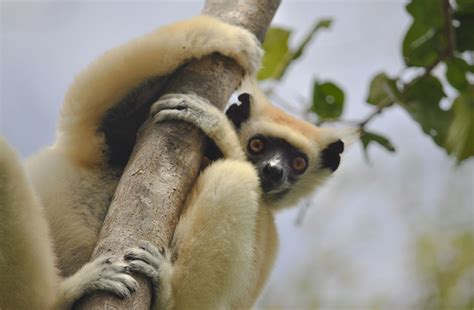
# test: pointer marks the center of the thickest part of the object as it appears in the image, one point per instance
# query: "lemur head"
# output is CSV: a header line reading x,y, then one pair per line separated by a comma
x,y
291,156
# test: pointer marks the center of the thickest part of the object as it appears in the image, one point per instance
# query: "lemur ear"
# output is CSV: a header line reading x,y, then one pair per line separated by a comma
x,y
330,156
238,114
245,98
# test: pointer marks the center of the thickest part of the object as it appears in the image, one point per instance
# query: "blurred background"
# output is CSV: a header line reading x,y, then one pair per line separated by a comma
x,y
394,232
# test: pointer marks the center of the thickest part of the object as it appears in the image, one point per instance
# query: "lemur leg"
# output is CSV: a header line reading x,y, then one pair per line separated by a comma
x,y
215,238
215,244
29,279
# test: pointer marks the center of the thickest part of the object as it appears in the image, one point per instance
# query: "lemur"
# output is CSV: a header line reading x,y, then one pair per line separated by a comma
x,y
225,241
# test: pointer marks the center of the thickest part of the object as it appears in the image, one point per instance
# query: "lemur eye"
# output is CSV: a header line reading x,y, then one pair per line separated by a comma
x,y
299,163
256,145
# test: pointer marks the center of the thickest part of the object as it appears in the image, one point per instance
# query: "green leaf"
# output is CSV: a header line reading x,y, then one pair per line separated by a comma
x,y
421,99
328,100
460,139
422,45
465,6
322,24
427,12
424,41
382,90
277,53
456,71
278,56
465,32
368,137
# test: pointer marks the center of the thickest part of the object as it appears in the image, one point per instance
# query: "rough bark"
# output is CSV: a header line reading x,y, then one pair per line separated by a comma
x,y
166,158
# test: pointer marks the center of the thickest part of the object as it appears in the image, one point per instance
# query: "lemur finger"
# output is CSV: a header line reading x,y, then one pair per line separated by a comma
x,y
185,97
179,102
145,269
114,287
164,104
172,115
103,259
145,256
207,121
119,267
127,280
150,248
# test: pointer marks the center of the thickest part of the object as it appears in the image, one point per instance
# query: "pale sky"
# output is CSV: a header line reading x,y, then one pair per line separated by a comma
x,y
353,247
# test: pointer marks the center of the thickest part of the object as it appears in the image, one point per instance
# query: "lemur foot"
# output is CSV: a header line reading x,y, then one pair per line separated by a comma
x,y
155,264
149,261
102,274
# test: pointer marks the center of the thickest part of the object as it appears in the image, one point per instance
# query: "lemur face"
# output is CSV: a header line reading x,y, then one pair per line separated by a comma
x,y
279,162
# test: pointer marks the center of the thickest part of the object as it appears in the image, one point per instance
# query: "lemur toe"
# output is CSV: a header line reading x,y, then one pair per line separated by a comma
x,y
107,274
146,259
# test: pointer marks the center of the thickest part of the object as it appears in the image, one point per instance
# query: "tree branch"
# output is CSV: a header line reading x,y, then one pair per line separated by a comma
x,y
166,158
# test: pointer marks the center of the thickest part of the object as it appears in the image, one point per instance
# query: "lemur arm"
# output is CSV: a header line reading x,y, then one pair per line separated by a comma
x,y
106,87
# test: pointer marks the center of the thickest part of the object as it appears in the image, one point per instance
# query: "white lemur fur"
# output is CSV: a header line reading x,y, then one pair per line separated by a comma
x,y
225,241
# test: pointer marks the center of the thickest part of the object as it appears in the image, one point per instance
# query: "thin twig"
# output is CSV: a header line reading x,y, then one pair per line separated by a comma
x,y
303,208
374,113
449,29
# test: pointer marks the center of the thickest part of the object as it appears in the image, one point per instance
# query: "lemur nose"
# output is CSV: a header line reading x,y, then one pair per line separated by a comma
x,y
273,172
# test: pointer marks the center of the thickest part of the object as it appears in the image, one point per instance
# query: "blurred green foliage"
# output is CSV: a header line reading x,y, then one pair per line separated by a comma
x,y
446,264
278,55
371,137
441,35
328,100
436,88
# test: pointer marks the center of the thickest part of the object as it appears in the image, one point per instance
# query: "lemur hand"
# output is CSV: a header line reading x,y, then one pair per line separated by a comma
x,y
198,111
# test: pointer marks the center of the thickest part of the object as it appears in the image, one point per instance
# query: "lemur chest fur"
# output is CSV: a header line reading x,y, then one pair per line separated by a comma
x,y
75,222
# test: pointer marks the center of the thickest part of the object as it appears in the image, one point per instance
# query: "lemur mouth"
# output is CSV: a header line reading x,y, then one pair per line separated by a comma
x,y
272,189
275,195
268,186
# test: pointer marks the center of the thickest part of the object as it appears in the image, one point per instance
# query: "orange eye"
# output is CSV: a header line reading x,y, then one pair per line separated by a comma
x,y
256,145
299,164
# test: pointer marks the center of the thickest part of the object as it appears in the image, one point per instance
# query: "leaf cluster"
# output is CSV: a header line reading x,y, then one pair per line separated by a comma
x,y
441,36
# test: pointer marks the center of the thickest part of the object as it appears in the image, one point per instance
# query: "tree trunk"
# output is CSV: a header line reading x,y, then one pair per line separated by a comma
x,y
167,156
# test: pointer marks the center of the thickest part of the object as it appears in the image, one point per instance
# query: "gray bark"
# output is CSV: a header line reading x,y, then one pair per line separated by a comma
x,y
167,156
